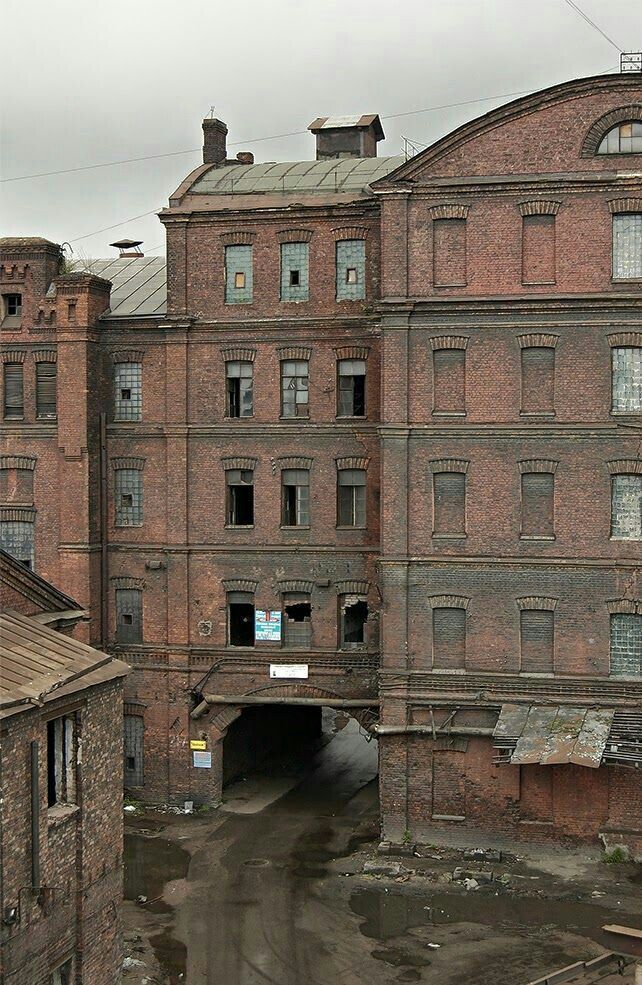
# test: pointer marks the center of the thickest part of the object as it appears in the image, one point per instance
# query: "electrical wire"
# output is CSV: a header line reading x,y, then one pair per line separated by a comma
x,y
585,17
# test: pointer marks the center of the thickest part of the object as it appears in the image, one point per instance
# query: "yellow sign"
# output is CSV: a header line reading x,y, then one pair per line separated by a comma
x,y
197,744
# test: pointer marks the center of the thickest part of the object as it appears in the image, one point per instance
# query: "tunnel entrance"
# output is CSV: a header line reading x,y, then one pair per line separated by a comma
x,y
276,740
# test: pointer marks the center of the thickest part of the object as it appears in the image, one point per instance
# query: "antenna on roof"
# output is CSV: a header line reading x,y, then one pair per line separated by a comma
x,y
631,61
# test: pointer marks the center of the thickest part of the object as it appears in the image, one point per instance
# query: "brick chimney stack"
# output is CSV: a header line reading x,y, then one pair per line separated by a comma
x,y
214,141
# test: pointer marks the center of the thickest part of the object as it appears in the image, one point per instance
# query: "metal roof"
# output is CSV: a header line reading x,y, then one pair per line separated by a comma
x,y
38,664
139,284
553,734
347,174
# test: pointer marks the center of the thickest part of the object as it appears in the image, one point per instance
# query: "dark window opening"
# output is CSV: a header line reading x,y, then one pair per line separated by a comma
x,y
352,388
125,394
239,389
296,498
354,616
13,392
297,621
240,498
134,731
295,278
131,762
241,619
62,975
351,498
61,767
127,500
13,305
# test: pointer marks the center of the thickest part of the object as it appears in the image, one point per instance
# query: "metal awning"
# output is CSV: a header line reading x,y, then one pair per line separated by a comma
x,y
552,734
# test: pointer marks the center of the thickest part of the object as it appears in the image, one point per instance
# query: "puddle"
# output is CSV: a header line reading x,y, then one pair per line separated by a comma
x,y
389,914
171,956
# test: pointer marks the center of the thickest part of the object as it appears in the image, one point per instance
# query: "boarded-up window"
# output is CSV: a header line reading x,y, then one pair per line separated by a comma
x,y
133,750
13,391
46,390
449,252
129,615
16,538
449,495
238,275
627,379
449,639
538,249
627,246
626,644
537,504
128,496
128,392
536,793
538,380
448,789
626,507
449,381
537,635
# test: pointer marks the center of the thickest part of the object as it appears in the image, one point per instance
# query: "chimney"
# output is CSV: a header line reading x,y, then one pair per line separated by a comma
x,y
129,247
347,136
214,140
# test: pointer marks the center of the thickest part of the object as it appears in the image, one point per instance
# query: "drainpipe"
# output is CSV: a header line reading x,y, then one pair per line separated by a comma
x,y
35,816
104,612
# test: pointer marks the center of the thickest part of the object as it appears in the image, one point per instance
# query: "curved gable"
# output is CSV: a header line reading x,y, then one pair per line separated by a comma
x,y
547,132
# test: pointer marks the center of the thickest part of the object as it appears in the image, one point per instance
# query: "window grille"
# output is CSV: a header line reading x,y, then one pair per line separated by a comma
x,y
128,385
129,615
626,138
627,379
17,539
626,645
295,270
351,270
238,275
295,388
626,507
13,391
627,246
129,497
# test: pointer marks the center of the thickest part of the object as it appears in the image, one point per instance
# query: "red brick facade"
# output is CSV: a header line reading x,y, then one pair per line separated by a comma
x,y
487,328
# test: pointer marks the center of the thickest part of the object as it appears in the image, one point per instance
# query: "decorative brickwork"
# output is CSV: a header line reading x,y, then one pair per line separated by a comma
x,y
128,356
13,355
240,354
352,586
45,356
538,465
447,602
538,340
352,352
295,585
294,352
238,462
239,585
138,464
127,582
294,235
449,342
354,462
536,602
452,211
539,206
350,232
449,465
238,238
294,462
18,462
621,206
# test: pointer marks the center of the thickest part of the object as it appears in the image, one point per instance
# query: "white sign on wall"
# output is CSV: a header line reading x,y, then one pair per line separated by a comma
x,y
298,671
202,760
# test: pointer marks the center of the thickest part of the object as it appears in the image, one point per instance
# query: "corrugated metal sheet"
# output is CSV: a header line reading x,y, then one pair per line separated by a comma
x,y
353,174
139,285
36,661
552,734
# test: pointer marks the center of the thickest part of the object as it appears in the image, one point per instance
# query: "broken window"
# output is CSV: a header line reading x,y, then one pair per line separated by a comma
x,y
626,644
240,618
538,504
239,376
238,275
129,497
13,305
626,379
626,507
17,539
62,974
351,270
128,392
45,390
537,628
133,750
449,638
129,615
354,616
61,760
627,246
13,392
449,381
351,388
294,388
351,498
449,498
240,497
295,263
297,621
538,380
296,497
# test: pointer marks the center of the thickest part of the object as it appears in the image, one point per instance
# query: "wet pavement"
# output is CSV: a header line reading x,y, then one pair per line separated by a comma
x,y
275,896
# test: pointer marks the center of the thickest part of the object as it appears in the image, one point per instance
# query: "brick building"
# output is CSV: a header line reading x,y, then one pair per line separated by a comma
x,y
61,812
373,391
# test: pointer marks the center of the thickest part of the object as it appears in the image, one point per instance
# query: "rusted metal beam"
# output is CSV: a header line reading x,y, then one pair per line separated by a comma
x,y
256,699
431,730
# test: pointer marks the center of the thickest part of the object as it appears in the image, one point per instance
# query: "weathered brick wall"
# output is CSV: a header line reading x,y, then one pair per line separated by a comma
x,y
81,850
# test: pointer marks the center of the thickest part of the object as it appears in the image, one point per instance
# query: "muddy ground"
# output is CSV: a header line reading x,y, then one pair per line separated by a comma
x,y
270,888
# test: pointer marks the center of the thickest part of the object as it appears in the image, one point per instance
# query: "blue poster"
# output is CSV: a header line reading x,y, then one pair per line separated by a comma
x,y
267,625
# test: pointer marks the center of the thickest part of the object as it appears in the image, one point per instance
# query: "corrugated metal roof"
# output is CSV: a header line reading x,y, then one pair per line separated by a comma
x,y
348,174
139,285
553,734
36,663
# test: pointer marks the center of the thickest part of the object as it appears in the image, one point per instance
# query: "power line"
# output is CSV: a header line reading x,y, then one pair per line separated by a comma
x,y
578,10
256,140
133,218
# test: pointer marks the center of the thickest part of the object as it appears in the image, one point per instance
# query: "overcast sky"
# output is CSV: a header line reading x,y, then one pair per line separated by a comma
x,y
104,80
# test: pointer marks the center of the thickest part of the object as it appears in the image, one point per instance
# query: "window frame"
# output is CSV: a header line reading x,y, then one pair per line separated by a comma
x,y
351,389
62,760
638,482
234,382
301,504
636,618
130,373
136,634
619,263
618,127
295,377
617,352
358,506
231,505
45,372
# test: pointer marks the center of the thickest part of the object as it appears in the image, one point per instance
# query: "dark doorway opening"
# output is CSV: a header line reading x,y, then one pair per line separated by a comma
x,y
240,620
267,738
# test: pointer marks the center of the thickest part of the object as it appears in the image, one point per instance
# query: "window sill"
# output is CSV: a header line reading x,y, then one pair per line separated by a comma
x,y
294,300
13,420
449,536
60,813
239,526
448,817
47,418
127,526
625,540
534,537
538,824
449,413
240,646
547,675
448,670
295,527
538,283
620,413
351,417
626,280
295,420
537,413
246,417
338,527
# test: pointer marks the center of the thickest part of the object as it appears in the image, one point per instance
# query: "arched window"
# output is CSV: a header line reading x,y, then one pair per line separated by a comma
x,y
625,138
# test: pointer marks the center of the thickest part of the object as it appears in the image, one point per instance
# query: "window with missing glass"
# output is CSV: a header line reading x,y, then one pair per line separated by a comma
x,y
351,391
61,760
295,388
128,391
351,498
239,382
627,246
240,497
295,269
238,274
128,497
625,138
295,485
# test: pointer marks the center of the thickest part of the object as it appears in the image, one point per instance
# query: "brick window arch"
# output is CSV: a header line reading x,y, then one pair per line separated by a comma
x,y
602,126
